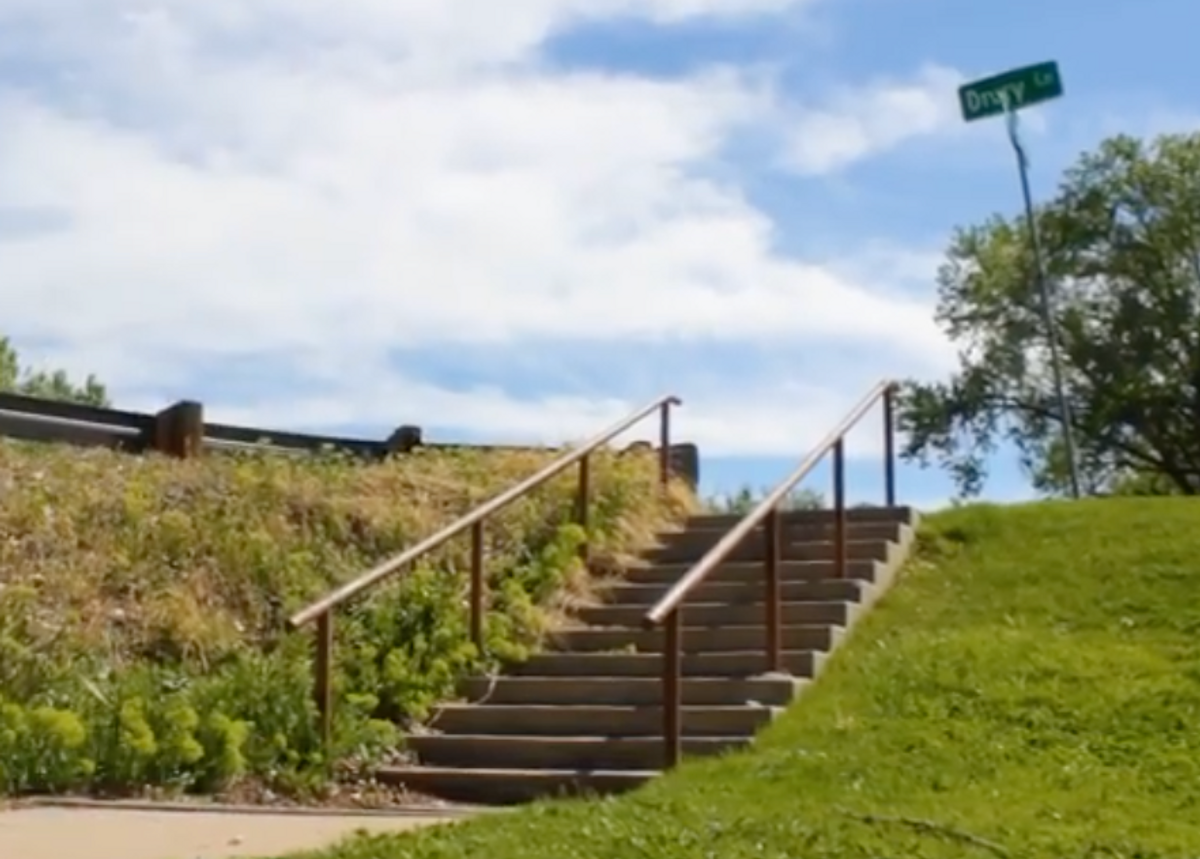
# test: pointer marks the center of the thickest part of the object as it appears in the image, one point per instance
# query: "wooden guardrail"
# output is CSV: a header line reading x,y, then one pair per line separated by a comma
x,y
181,431
178,430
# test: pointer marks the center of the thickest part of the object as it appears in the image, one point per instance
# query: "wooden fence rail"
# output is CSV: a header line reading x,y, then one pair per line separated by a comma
x,y
181,431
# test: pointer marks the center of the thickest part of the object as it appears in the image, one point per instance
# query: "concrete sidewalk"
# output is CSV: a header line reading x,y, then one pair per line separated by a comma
x,y
124,833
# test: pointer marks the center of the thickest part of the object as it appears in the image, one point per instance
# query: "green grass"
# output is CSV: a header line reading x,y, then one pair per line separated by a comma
x,y
1031,688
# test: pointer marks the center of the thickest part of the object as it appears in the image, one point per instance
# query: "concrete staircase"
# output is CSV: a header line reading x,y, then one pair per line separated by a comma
x,y
586,715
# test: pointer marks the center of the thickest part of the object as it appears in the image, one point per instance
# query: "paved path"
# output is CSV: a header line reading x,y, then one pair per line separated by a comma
x,y
62,833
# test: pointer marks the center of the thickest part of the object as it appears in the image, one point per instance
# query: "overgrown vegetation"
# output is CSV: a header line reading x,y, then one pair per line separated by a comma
x,y
1031,688
143,600
1122,240
142,603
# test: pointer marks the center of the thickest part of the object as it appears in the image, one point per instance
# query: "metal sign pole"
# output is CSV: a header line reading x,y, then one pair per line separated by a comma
x,y
1043,286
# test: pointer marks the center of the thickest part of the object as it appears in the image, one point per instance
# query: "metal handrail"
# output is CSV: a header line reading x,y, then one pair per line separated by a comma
x,y
669,608
322,610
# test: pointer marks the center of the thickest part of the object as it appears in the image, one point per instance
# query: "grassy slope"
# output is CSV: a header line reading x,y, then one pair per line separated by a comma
x,y
1032,688
142,600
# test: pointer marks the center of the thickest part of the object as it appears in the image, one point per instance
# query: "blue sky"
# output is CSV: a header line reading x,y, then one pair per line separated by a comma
x,y
515,221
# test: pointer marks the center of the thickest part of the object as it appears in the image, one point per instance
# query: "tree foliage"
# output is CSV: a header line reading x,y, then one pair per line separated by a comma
x,y
50,385
1122,245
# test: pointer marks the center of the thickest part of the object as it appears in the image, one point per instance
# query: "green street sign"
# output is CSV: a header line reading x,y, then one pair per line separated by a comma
x,y
1030,85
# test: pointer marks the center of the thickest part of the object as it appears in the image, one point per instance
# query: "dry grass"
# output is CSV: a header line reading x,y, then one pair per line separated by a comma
x,y
158,557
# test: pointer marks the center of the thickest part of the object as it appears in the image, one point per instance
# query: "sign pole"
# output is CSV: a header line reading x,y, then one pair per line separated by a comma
x,y
1043,287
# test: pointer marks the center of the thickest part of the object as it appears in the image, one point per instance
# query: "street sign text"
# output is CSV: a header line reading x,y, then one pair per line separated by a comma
x,y
1023,87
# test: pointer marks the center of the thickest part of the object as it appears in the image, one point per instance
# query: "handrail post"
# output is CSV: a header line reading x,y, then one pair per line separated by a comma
x,y
477,586
323,679
672,698
839,507
581,503
889,445
771,560
664,445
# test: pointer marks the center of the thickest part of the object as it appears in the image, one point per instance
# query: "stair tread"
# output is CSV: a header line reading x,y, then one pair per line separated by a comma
x,y
523,679
746,662
724,584
718,615
880,513
608,709
491,786
742,571
799,541
616,630
813,563
684,566
571,740
511,772
694,607
701,606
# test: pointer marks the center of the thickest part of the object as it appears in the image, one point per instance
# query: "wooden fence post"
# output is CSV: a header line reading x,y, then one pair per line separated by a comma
x,y
178,430
685,463
403,440
684,459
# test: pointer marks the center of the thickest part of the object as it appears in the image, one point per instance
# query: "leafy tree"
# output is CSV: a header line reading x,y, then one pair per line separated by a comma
x,y
54,385
1122,244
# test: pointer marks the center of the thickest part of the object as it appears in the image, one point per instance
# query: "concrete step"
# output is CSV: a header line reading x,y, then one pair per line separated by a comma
x,y
700,641
722,614
699,542
749,590
690,547
725,521
508,786
584,721
800,658
801,532
631,690
752,571
534,752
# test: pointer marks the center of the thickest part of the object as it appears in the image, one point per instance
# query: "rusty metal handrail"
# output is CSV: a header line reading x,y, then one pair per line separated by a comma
x,y
322,610
669,608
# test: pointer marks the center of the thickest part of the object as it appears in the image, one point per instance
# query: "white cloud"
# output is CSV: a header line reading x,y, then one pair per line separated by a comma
x,y
325,182
421,35
856,121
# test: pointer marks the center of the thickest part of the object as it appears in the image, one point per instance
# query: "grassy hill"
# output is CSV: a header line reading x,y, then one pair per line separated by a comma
x,y
142,602
1030,689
